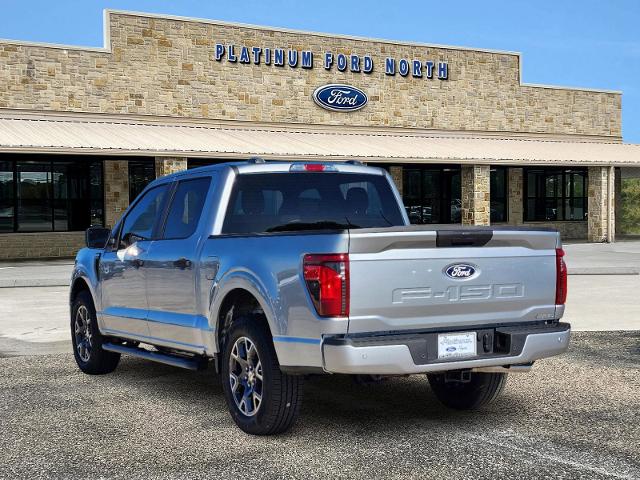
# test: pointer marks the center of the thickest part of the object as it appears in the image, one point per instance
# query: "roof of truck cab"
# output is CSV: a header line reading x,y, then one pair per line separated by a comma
x,y
266,167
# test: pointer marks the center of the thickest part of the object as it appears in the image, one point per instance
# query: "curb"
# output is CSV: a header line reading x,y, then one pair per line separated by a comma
x,y
34,283
604,271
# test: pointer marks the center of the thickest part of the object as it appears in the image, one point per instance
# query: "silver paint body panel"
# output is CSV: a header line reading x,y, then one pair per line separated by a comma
x,y
397,281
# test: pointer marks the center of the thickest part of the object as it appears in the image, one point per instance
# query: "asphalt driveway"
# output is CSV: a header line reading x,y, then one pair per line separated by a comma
x,y
574,416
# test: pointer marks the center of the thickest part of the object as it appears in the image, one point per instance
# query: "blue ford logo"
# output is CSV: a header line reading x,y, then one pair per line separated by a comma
x,y
451,349
460,271
340,98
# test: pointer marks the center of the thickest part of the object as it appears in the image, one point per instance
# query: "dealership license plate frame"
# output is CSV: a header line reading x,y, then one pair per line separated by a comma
x,y
464,345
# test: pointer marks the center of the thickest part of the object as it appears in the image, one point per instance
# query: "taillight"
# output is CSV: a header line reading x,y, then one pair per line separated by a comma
x,y
327,279
561,278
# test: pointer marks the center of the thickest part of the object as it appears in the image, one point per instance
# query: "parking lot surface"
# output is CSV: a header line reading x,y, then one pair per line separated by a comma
x,y
573,416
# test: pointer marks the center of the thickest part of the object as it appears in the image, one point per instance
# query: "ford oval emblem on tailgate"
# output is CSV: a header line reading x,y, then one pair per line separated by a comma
x,y
340,98
460,271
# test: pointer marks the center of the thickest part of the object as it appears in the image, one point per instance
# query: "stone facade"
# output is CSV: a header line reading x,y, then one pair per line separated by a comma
x,y
116,190
169,165
167,67
515,187
599,213
475,194
40,245
163,66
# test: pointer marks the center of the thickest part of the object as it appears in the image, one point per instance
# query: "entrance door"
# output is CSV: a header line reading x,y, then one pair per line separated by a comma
x,y
175,317
122,270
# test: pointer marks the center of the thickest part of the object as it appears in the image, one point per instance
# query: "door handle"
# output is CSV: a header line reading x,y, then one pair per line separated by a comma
x,y
182,263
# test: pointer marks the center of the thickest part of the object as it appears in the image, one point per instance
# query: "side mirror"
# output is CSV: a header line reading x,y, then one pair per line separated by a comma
x,y
96,237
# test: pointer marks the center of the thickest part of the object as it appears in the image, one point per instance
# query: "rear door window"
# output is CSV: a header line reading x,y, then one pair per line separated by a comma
x,y
186,208
273,202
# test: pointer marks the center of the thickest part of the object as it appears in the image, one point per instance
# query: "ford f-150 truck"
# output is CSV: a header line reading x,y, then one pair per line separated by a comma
x,y
273,271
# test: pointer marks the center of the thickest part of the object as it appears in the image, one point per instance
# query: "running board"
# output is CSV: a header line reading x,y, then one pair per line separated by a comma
x,y
173,360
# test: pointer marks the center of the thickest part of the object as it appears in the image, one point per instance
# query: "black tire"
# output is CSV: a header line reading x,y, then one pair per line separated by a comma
x,y
481,389
280,393
92,360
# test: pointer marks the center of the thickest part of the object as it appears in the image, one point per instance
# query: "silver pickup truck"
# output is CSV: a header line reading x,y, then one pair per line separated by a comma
x,y
275,271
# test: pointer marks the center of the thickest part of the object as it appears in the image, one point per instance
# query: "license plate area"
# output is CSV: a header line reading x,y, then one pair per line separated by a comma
x,y
457,345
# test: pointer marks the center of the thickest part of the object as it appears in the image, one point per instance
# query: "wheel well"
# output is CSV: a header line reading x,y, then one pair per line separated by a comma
x,y
79,285
236,303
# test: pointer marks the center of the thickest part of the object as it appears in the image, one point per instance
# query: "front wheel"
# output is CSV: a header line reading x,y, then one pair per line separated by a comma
x,y
261,399
471,392
87,339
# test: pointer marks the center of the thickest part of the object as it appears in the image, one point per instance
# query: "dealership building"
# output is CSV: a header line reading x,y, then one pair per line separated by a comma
x,y
83,130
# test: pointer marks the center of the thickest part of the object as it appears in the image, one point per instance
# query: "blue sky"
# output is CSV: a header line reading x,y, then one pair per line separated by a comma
x,y
584,43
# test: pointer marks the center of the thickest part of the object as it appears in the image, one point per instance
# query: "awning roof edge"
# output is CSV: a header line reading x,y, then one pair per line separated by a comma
x,y
70,136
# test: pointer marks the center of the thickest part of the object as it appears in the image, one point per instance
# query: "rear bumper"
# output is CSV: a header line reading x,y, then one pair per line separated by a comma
x,y
414,353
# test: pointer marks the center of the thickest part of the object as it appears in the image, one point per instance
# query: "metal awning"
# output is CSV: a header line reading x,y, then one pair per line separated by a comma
x,y
233,140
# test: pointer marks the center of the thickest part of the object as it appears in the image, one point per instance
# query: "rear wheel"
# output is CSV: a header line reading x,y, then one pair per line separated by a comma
x,y
87,339
261,399
468,390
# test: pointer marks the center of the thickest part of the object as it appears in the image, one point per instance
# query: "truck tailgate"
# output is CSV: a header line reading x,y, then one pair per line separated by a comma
x,y
412,278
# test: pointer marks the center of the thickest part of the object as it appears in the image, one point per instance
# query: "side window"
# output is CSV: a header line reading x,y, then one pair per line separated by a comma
x,y
186,208
139,222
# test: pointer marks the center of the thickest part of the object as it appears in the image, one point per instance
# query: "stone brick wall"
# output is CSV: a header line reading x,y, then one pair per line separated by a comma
x,y
598,219
167,67
40,245
116,190
397,175
515,188
169,165
475,182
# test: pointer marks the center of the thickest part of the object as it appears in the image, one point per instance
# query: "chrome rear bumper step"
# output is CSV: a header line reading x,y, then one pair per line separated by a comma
x,y
195,363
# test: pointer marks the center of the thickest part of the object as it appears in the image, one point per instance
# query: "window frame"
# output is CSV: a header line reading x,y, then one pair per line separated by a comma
x,y
562,198
504,198
167,207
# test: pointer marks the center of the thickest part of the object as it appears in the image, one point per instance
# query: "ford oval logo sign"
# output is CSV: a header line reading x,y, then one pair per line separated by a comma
x,y
340,98
460,271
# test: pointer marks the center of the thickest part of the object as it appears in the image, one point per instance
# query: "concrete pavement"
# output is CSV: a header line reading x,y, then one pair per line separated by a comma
x,y
573,416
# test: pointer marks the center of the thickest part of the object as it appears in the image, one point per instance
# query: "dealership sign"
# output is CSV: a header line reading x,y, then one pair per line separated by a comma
x,y
340,98
280,57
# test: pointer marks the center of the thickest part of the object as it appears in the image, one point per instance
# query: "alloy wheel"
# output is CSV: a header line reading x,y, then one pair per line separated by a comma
x,y
83,333
245,376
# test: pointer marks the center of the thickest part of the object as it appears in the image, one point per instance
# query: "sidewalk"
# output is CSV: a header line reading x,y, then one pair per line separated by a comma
x,y
36,273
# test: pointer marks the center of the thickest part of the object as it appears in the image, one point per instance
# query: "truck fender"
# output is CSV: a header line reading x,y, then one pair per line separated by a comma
x,y
244,280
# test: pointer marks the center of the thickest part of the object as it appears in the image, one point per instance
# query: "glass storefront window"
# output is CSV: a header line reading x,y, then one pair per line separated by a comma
x,y
498,197
141,173
40,193
432,194
34,197
554,194
7,200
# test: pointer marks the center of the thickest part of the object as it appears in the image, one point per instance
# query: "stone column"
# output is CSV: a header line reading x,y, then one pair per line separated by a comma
x,y
396,174
515,200
601,207
116,190
475,194
618,200
169,165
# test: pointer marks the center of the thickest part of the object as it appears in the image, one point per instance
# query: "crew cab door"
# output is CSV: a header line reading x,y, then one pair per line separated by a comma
x,y
175,316
122,268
